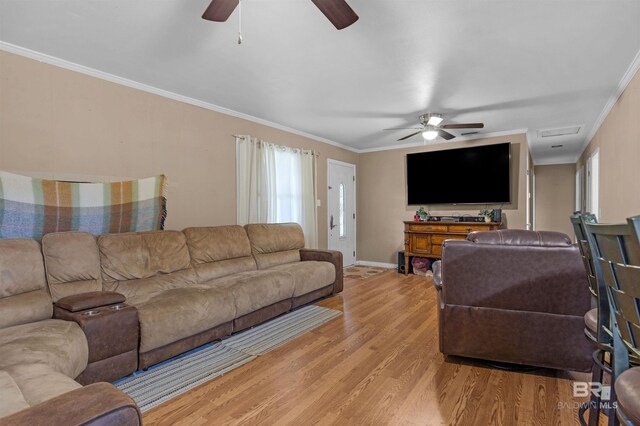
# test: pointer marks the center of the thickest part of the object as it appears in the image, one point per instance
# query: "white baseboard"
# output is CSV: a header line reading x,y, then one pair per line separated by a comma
x,y
379,264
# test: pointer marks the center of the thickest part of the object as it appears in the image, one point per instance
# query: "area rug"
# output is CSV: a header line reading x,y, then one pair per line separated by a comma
x,y
363,272
31,208
173,377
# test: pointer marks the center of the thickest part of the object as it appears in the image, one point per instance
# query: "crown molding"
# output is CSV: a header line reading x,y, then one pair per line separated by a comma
x,y
458,139
613,99
72,66
52,60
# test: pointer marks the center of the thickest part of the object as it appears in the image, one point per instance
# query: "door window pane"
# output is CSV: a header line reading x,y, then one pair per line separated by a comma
x,y
341,210
593,180
595,183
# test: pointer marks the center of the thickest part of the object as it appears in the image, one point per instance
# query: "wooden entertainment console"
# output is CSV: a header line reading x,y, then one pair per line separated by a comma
x,y
424,239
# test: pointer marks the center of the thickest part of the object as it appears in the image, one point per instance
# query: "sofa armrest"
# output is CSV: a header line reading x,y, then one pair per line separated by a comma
x,y
90,300
331,256
94,405
437,275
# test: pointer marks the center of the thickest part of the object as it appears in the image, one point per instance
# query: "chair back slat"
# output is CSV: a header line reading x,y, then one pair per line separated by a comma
x,y
627,297
578,221
633,254
635,331
616,250
627,276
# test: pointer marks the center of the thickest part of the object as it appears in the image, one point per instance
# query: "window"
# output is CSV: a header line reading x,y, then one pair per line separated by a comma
x,y
276,184
288,186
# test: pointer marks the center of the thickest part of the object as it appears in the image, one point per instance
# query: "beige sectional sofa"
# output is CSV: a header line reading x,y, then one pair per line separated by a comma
x,y
40,356
188,288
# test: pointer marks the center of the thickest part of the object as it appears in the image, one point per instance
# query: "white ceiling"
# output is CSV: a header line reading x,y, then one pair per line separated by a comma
x,y
513,65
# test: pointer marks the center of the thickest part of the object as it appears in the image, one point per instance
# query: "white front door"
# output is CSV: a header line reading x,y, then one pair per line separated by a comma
x,y
341,201
593,183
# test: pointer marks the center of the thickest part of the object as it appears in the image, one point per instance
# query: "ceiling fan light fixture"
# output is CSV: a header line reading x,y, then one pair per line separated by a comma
x,y
430,133
434,120
430,127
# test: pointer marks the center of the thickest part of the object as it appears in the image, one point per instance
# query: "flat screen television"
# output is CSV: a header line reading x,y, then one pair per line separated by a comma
x,y
476,175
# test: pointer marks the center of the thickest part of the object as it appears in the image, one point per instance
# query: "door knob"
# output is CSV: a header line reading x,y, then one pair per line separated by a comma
x,y
331,225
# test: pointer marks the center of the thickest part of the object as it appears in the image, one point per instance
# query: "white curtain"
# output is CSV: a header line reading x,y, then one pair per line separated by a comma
x,y
276,184
309,197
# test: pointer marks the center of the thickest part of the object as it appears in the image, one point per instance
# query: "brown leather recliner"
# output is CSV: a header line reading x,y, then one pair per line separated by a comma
x,y
514,296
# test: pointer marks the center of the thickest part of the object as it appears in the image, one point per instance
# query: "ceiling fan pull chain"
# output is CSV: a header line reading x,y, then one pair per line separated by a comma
x,y
239,21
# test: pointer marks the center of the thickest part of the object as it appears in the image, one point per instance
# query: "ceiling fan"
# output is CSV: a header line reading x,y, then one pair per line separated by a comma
x,y
432,127
337,11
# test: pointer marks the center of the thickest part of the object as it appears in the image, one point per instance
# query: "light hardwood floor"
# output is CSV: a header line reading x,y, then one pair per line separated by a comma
x,y
377,364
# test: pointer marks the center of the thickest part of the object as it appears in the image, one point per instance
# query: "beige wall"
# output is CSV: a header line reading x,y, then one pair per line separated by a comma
x,y
618,140
555,197
382,200
58,123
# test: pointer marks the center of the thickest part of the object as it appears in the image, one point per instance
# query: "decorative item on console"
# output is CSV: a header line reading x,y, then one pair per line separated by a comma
x,y
484,215
421,215
488,215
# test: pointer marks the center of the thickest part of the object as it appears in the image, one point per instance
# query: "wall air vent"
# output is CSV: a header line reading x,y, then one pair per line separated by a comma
x,y
563,131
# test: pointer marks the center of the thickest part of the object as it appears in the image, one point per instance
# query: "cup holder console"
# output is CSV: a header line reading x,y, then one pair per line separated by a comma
x,y
112,333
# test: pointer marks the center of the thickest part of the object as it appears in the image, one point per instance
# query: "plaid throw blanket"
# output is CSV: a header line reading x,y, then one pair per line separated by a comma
x,y
31,207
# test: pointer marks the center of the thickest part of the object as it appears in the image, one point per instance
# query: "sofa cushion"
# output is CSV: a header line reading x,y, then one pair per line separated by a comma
x,y
171,315
219,251
23,287
138,255
275,243
140,290
39,382
308,276
124,257
521,237
257,289
59,344
12,399
136,264
24,308
72,263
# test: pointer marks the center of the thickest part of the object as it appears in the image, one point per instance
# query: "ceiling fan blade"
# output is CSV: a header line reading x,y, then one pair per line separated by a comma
x,y
463,126
404,128
408,136
445,135
337,11
220,10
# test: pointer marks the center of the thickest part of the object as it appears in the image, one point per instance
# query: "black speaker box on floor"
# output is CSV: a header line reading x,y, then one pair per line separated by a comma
x,y
401,263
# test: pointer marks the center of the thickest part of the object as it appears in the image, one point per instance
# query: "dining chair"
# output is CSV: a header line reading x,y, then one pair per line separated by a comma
x,y
596,321
616,258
